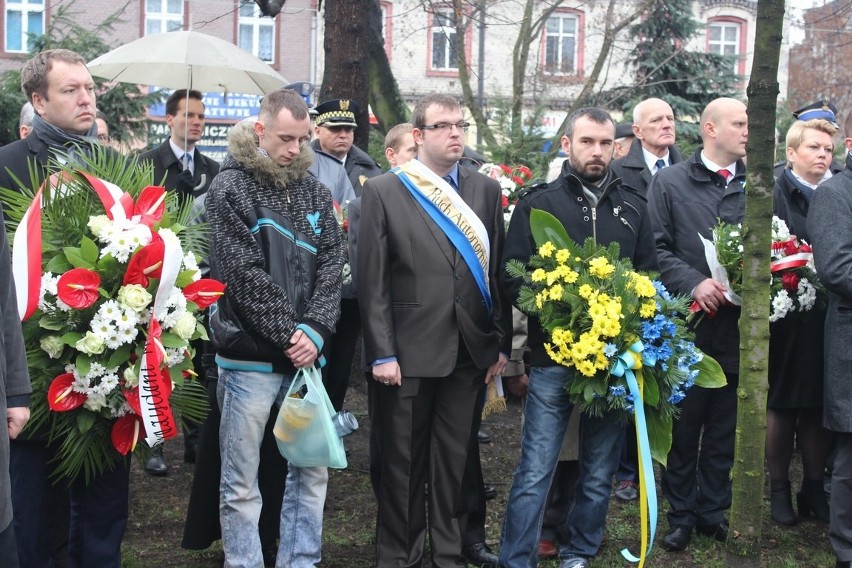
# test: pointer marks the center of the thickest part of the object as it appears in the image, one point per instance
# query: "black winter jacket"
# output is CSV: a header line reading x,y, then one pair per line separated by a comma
x,y
620,216
278,247
634,172
684,200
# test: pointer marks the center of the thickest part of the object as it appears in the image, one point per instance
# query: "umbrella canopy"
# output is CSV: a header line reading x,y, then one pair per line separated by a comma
x,y
186,59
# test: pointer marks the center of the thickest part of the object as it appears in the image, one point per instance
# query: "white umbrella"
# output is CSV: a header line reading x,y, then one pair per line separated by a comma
x,y
188,60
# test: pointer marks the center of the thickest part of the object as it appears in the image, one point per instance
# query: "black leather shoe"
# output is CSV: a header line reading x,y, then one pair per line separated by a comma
x,y
719,530
480,554
490,492
677,538
483,437
156,464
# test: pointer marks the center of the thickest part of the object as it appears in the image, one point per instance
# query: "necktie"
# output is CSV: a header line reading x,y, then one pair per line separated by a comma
x,y
186,162
659,164
449,180
725,174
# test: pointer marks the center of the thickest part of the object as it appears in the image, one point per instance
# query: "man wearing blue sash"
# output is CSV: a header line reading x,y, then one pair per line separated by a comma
x,y
434,329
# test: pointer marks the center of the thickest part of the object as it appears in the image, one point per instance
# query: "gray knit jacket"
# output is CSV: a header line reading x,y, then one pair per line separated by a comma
x,y
267,223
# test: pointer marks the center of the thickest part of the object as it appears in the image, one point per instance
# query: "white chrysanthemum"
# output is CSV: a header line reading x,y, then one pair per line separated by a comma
x,y
507,184
174,357
114,340
96,370
780,231
107,384
95,402
80,384
781,305
101,325
127,319
190,262
48,286
110,310
806,294
128,335
122,410
173,309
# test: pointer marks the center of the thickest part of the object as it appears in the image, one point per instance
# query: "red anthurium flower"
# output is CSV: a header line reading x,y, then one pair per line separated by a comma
x,y
790,247
79,287
146,263
204,292
150,205
790,281
61,396
132,398
505,201
126,433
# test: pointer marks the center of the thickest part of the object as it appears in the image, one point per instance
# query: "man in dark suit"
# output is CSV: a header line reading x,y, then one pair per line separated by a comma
x,y
435,327
179,166
62,92
653,147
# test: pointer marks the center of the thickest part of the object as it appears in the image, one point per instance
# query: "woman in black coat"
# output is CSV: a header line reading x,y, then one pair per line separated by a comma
x,y
794,404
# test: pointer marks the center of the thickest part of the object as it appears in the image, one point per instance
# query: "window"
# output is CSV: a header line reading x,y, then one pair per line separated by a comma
x,y
163,16
560,44
24,18
725,37
256,33
443,36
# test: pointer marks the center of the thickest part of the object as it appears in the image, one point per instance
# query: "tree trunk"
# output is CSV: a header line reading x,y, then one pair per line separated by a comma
x,y
748,478
346,59
385,98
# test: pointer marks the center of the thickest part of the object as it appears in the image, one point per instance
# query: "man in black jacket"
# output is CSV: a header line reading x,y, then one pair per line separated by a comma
x,y
653,147
590,202
178,164
684,201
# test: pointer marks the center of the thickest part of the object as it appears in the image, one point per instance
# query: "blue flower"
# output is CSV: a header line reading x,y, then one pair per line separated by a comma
x,y
661,290
676,396
650,331
610,350
618,390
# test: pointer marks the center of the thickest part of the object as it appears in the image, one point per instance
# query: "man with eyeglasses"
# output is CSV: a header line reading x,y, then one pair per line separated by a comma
x,y
276,242
435,328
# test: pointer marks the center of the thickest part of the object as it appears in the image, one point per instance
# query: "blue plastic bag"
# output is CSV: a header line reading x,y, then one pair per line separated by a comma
x,y
303,430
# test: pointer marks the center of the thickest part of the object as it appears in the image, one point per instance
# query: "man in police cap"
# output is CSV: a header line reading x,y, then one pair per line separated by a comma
x,y
335,134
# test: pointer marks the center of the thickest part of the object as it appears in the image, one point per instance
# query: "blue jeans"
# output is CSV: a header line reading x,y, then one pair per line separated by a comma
x,y
245,398
545,419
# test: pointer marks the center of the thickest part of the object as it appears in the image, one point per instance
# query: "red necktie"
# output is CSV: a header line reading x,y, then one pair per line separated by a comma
x,y
725,174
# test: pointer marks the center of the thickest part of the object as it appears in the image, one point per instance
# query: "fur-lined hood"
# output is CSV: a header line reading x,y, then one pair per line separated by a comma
x,y
244,154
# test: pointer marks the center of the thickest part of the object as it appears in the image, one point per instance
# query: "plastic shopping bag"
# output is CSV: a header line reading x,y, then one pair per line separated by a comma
x,y
303,430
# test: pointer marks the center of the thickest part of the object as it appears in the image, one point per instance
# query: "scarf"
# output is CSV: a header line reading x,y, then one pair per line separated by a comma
x,y
64,144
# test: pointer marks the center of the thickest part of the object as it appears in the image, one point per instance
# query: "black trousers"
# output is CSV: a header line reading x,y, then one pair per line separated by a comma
x,y
840,529
697,480
424,429
8,548
472,505
341,352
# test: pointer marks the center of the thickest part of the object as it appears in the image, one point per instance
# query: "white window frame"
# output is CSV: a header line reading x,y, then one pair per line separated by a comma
x,y
560,36
163,17
25,8
256,22
443,31
718,46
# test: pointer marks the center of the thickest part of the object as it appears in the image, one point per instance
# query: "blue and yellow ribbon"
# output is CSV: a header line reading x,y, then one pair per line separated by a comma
x,y
632,360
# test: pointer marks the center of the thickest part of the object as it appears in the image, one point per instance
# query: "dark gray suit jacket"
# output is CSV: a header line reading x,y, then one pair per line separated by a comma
x,y
417,295
166,166
632,169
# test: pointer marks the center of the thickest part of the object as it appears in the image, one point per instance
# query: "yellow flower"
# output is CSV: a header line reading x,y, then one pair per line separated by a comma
x,y
539,274
585,291
647,309
552,277
563,256
547,249
540,298
643,285
601,267
556,292
586,369
568,275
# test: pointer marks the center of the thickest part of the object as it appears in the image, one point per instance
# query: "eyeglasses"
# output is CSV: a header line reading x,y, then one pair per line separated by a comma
x,y
103,138
446,126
